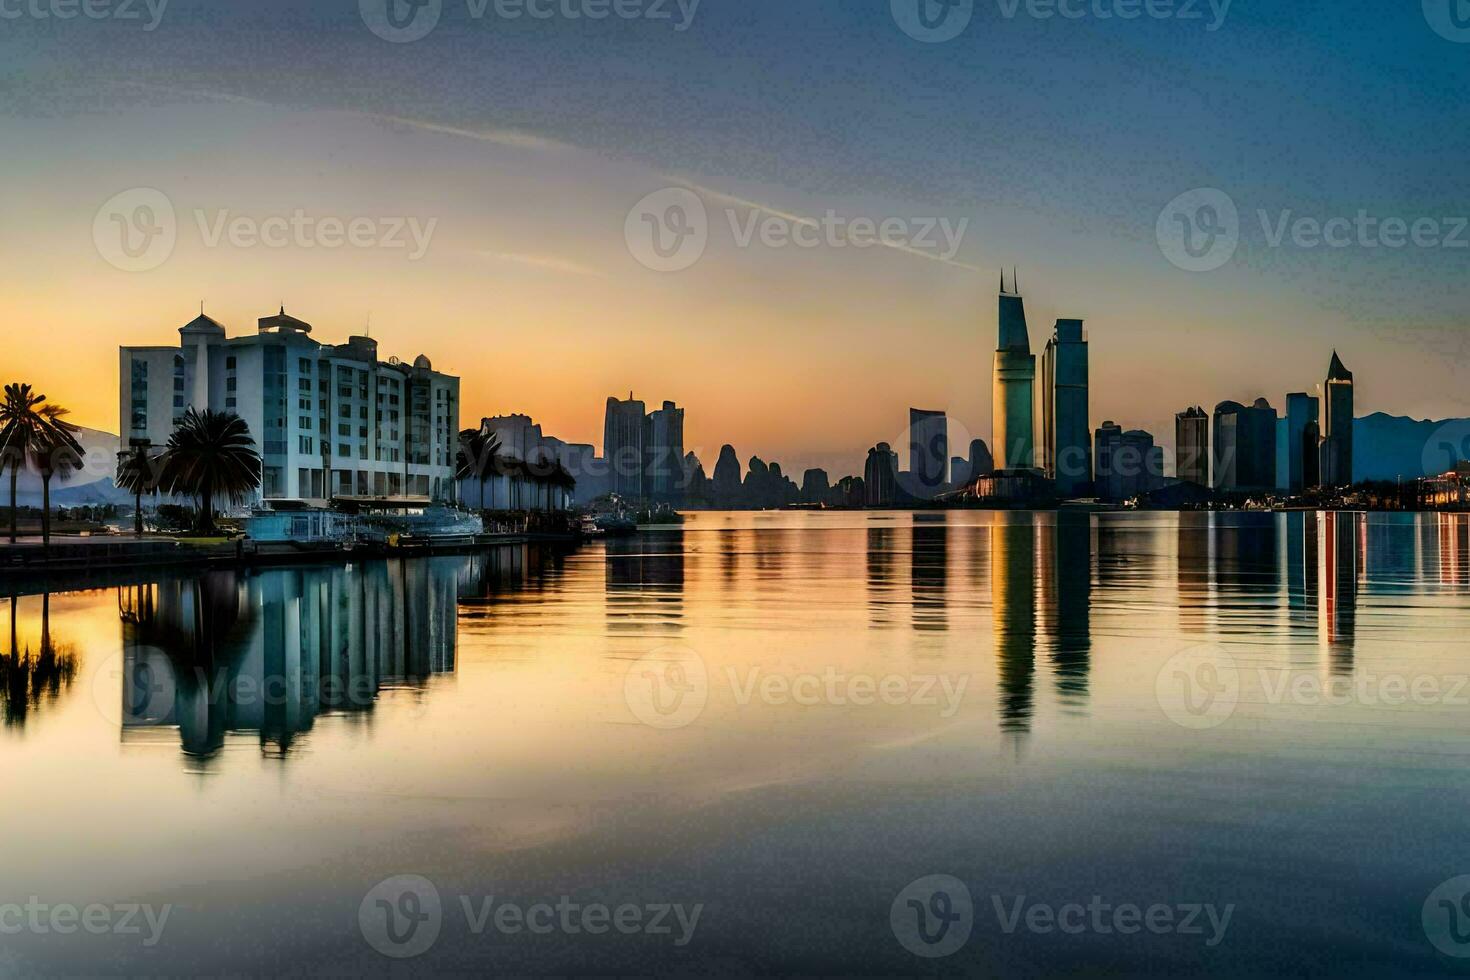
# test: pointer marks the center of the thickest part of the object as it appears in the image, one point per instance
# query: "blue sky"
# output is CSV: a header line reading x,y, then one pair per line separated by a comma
x,y
1058,140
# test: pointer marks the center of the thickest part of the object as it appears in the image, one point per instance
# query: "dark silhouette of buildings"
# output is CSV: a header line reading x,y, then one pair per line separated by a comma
x,y
1128,463
1337,425
1066,445
1301,442
1192,446
880,476
1245,447
928,451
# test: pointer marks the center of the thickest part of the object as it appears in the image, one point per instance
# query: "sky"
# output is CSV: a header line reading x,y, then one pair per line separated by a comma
x,y
522,153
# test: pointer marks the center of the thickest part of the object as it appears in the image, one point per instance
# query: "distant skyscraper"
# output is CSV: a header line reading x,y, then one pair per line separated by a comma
x,y
1301,441
1245,446
623,447
1337,427
1066,444
880,476
928,451
1128,463
663,448
1014,379
1192,446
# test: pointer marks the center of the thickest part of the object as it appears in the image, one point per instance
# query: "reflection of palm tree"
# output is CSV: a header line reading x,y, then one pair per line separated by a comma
x,y
26,680
137,473
211,454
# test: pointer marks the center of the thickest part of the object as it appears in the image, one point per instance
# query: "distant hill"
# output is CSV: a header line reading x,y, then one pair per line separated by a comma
x,y
93,485
1389,447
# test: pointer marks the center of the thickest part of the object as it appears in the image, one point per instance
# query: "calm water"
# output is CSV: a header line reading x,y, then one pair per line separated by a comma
x,y
778,720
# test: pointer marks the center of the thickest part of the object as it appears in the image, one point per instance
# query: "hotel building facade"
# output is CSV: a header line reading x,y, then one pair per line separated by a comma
x,y
327,420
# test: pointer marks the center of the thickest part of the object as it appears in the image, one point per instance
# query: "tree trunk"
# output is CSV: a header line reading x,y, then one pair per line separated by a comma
x,y
14,477
138,513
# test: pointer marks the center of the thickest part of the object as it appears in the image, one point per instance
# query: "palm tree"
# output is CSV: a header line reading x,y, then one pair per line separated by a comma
x,y
20,420
53,453
479,454
137,473
210,454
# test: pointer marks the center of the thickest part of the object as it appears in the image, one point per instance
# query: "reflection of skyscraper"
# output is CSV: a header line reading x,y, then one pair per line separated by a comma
x,y
645,581
1339,578
928,572
1301,441
1065,580
1066,437
1192,446
1337,425
1013,609
1012,387
928,450
880,577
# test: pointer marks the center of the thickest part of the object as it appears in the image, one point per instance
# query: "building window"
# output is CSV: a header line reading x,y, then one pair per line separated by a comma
x,y
304,366
229,383
178,401
229,402
230,363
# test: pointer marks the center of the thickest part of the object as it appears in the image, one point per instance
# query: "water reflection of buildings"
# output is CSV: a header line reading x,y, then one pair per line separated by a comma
x,y
1065,580
271,652
881,586
1013,604
929,572
1342,542
645,581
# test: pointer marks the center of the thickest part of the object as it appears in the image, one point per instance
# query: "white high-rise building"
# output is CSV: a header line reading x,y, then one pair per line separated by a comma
x,y
326,420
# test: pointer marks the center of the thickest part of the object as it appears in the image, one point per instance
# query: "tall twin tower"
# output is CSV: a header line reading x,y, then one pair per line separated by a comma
x,y
1066,445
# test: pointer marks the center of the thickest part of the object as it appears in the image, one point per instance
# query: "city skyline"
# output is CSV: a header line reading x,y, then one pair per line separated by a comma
x,y
529,196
